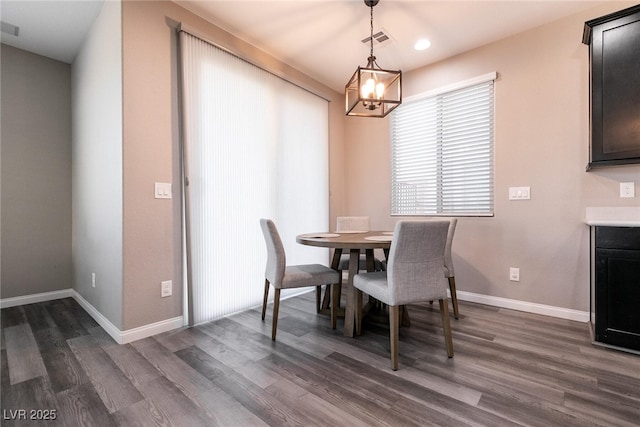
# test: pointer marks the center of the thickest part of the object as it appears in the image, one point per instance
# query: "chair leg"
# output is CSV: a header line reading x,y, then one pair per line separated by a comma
x,y
454,296
266,297
446,326
334,304
394,320
358,309
325,299
276,308
318,297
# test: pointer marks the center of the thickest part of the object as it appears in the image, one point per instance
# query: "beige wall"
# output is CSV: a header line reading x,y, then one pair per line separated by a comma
x,y
133,240
36,174
152,245
541,140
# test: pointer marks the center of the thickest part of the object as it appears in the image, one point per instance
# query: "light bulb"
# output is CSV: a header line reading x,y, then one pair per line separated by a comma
x,y
380,90
368,88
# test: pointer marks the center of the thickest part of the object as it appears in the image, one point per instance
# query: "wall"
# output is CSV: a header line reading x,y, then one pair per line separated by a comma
x,y
541,140
36,174
152,245
97,165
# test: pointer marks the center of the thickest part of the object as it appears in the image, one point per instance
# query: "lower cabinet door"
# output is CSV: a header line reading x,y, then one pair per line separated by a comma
x,y
618,297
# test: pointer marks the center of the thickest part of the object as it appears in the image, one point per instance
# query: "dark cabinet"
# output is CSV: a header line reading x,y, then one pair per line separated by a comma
x,y
614,53
615,293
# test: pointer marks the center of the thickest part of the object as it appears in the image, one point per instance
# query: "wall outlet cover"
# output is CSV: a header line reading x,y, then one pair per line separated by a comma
x,y
627,189
166,289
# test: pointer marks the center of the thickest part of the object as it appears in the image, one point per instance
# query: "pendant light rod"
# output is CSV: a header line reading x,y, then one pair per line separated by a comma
x,y
372,59
371,3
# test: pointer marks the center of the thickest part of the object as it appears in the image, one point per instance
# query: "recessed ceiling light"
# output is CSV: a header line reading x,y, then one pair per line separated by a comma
x,y
422,44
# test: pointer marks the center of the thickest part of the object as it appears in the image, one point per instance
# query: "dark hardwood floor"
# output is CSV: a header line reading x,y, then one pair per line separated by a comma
x,y
510,368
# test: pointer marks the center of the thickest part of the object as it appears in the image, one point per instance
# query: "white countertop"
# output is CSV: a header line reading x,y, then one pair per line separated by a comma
x,y
613,217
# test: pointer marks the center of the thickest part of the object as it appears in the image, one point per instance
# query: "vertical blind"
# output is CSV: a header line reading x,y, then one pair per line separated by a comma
x,y
442,153
254,146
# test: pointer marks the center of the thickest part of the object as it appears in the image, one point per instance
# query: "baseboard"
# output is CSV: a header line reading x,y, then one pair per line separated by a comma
x,y
152,329
121,337
129,335
105,323
529,307
35,298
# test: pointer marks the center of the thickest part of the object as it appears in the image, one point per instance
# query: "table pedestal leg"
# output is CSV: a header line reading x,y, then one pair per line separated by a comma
x,y
335,263
349,315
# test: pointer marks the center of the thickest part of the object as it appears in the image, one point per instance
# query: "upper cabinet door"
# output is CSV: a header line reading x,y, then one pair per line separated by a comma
x,y
614,42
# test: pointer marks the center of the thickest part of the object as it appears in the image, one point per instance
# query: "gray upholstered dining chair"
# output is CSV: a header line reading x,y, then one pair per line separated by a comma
x,y
448,266
281,276
415,273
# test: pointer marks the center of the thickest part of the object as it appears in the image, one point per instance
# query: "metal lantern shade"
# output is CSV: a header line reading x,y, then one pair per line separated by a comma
x,y
357,104
372,91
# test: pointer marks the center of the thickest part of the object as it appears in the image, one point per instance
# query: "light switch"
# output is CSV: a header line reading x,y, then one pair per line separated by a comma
x,y
519,193
162,190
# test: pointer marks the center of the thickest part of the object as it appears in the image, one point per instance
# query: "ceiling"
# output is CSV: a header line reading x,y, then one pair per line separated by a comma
x,y
321,38
54,29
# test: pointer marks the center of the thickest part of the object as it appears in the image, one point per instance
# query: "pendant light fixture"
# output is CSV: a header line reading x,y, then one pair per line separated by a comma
x,y
372,91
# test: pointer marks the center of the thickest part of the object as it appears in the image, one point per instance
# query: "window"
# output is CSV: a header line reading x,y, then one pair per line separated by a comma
x,y
442,151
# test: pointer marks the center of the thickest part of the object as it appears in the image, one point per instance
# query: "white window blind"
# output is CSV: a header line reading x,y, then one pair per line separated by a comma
x,y
442,152
255,146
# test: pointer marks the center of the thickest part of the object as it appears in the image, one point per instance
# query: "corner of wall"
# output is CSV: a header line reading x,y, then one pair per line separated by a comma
x,y
97,165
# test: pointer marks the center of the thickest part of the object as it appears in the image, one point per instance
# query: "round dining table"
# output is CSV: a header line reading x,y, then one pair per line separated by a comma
x,y
352,242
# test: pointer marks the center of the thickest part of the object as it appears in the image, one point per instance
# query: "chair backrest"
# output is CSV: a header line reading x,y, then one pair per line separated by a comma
x,y
415,270
353,223
276,258
448,259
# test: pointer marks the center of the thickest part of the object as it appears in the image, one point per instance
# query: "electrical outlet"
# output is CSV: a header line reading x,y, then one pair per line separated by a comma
x,y
627,189
93,280
166,288
514,274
